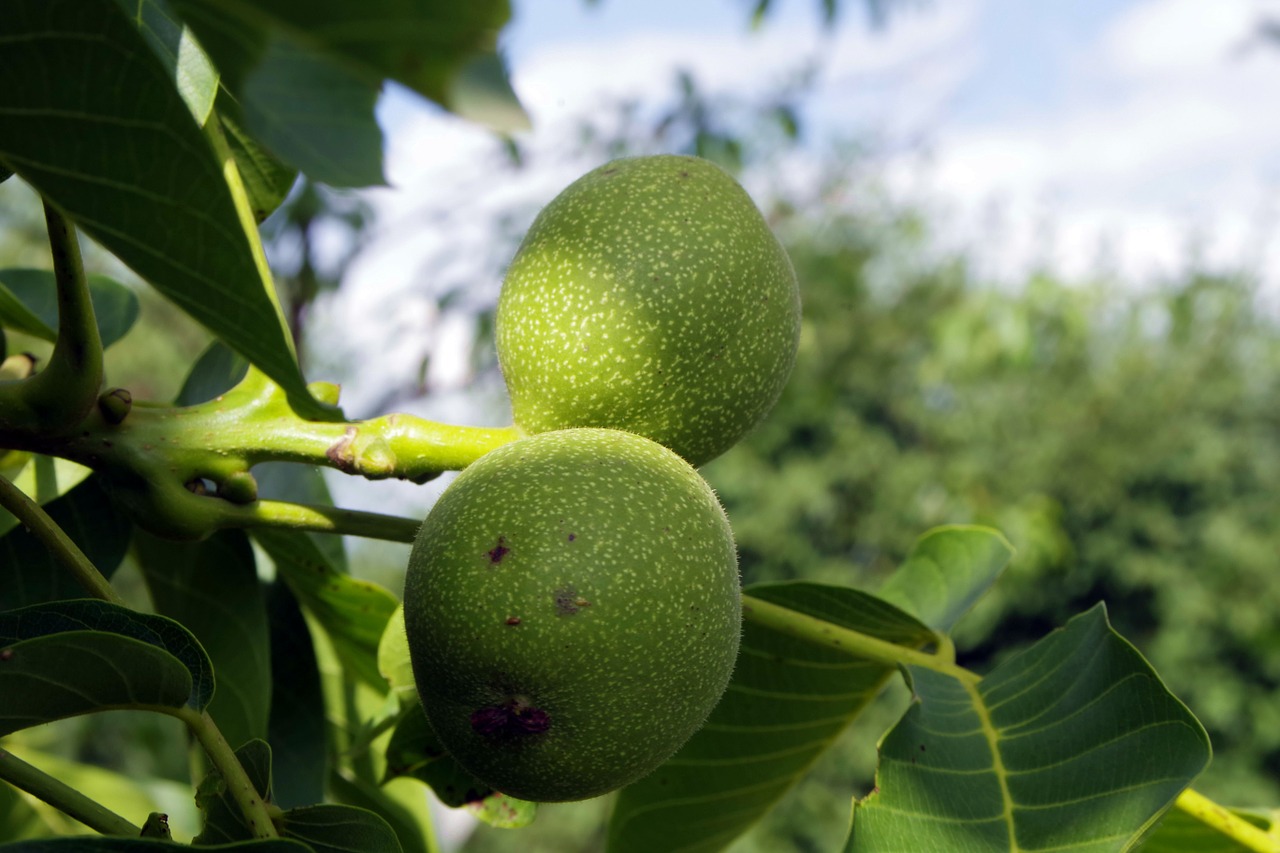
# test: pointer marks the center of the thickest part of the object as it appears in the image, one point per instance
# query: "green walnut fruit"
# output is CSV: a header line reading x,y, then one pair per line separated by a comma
x,y
573,612
649,296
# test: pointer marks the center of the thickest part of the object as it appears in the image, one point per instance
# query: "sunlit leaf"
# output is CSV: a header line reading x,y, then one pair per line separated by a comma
x,y
393,658
353,612
1073,744
115,306
91,118
427,46
212,588
787,702
175,46
948,570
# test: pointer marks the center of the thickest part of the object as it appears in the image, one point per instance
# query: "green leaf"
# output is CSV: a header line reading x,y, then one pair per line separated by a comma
x,y
175,46
1179,832
305,484
296,728
482,93
353,612
28,572
948,570
426,45
146,845
115,306
1074,743
400,805
503,812
415,751
266,179
43,479
393,658
106,137
218,369
223,820
315,115
332,828
212,588
787,702
73,657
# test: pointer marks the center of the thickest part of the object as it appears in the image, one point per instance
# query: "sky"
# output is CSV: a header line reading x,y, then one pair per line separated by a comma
x,y
1116,136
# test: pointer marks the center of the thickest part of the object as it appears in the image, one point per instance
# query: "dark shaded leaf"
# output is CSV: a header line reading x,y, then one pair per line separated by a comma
x,y
146,845
28,572
223,820
266,179
218,370
340,829
212,588
194,76
115,306
415,751
73,657
296,728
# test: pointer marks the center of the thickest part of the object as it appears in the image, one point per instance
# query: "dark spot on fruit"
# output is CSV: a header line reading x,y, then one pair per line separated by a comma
x,y
572,536
513,621
516,717
922,747
6,654
610,171
684,173
499,551
568,602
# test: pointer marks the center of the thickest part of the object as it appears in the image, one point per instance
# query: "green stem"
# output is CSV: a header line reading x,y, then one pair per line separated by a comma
x,y
320,519
256,812
851,642
1224,821
34,518
60,396
63,797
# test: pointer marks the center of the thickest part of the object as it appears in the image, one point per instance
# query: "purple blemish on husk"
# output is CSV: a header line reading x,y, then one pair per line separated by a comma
x,y
513,718
499,551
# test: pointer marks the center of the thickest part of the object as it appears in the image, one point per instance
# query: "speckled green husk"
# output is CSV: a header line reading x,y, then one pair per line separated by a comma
x,y
650,296
589,574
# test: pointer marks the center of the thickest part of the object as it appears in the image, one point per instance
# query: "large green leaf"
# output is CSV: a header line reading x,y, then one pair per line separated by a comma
x,y
212,588
42,478
28,572
91,118
402,806
73,657
948,570
267,181
787,702
1073,744
115,306
353,612
175,46
296,728
427,45
218,369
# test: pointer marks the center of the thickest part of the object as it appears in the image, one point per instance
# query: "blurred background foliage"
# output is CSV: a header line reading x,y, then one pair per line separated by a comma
x,y
1125,436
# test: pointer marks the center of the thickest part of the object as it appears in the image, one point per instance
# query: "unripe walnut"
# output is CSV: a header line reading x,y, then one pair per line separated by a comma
x,y
573,612
649,296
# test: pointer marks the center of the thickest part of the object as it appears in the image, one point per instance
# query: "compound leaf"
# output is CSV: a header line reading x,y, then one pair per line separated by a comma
x,y
1073,744
787,702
